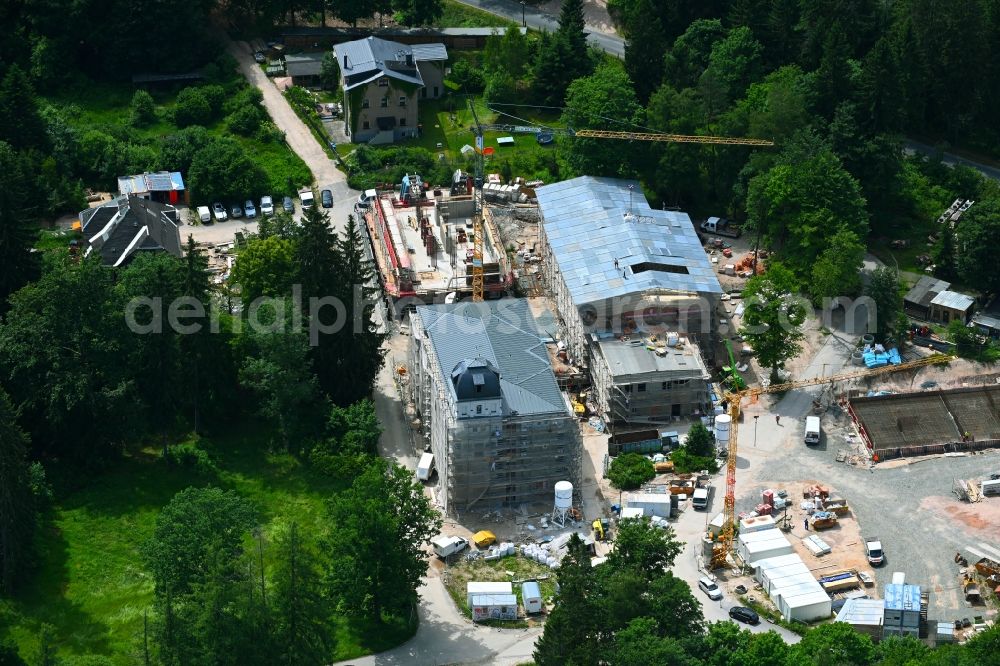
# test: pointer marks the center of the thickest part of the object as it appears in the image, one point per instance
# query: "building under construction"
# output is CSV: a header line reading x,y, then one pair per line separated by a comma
x,y
636,297
501,431
422,242
910,424
648,379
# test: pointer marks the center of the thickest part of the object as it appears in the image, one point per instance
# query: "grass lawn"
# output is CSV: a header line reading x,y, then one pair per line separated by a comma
x,y
449,122
457,15
105,105
91,586
506,569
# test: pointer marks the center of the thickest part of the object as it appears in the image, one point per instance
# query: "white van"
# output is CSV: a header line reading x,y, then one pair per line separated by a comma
x,y
204,214
813,432
446,546
425,468
366,199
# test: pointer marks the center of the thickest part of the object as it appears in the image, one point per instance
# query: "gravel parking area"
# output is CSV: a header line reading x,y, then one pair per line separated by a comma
x,y
909,504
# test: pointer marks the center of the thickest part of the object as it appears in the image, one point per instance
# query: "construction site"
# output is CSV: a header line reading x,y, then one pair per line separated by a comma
x,y
423,242
501,432
913,424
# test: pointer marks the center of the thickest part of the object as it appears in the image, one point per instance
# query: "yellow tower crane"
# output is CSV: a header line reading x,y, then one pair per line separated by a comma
x,y
478,129
724,546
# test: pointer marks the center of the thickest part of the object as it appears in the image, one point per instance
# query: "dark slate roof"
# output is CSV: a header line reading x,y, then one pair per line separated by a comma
x,y
126,225
476,379
504,334
304,64
365,60
924,291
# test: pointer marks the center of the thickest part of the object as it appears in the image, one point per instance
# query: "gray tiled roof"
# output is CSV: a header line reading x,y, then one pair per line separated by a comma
x,y
587,226
504,333
368,59
122,227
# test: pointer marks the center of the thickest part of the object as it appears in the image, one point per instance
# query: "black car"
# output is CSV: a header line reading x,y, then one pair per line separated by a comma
x,y
288,205
326,197
744,614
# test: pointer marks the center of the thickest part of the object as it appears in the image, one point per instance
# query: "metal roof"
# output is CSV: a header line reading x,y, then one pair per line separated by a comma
x,y
925,290
902,597
862,611
159,181
633,357
503,333
425,52
953,300
365,60
591,222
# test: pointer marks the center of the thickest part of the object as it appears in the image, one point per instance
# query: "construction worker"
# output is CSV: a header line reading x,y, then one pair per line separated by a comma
x,y
777,419
805,523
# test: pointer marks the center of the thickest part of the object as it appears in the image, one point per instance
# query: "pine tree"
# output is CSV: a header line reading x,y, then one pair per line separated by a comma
x,y
21,125
17,230
944,254
570,634
301,611
17,505
572,26
360,341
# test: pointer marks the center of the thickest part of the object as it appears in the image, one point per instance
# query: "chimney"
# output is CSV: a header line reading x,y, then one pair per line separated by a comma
x,y
345,62
409,59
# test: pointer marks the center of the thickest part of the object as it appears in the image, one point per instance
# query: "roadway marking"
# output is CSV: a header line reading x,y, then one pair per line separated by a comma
x,y
976,552
989,548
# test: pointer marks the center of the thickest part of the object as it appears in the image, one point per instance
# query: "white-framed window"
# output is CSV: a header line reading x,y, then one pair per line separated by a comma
x,y
383,82
402,100
384,103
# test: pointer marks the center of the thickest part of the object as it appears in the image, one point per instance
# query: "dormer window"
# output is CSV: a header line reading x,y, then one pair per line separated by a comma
x,y
383,82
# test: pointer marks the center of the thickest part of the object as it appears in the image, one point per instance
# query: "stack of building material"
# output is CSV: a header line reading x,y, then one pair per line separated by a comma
x,y
816,545
756,524
841,580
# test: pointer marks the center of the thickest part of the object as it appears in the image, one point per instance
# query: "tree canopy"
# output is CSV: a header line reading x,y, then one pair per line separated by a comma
x,y
773,317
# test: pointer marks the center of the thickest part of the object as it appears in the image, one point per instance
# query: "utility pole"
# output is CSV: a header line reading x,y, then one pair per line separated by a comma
x,y
755,417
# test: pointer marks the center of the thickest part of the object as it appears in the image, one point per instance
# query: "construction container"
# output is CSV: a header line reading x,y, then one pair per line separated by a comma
x,y
473,589
493,607
531,597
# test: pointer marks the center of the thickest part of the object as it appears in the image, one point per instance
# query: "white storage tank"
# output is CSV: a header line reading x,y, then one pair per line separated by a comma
x,y
722,424
564,495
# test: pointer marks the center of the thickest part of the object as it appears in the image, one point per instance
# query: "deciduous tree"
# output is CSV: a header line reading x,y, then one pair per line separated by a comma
x,y
976,240
380,527
645,548
837,271
630,470
773,317
883,288
195,528
17,228
223,171
700,441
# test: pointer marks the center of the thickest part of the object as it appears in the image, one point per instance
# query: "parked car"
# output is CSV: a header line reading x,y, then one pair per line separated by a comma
x,y
266,205
250,209
204,214
288,205
744,614
326,197
259,57
708,586
235,211
219,211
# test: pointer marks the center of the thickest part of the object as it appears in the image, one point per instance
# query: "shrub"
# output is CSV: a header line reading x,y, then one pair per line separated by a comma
x,y
268,132
216,97
192,108
630,470
685,462
143,110
245,121
699,441
191,457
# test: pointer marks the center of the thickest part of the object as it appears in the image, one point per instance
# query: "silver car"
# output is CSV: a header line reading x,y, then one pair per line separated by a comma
x,y
708,586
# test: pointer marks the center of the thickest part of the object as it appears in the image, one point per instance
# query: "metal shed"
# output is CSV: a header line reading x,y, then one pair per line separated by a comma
x,y
531,597
473,589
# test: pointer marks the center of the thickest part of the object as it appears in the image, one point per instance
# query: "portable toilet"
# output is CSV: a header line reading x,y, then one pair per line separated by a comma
x,y
531,597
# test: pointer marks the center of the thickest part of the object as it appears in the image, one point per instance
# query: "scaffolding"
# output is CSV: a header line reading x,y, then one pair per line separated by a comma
x,y
488,462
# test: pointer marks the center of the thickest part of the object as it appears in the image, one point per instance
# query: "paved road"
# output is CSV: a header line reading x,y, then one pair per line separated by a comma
x,y
689,527
296,133
535,18
910,146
